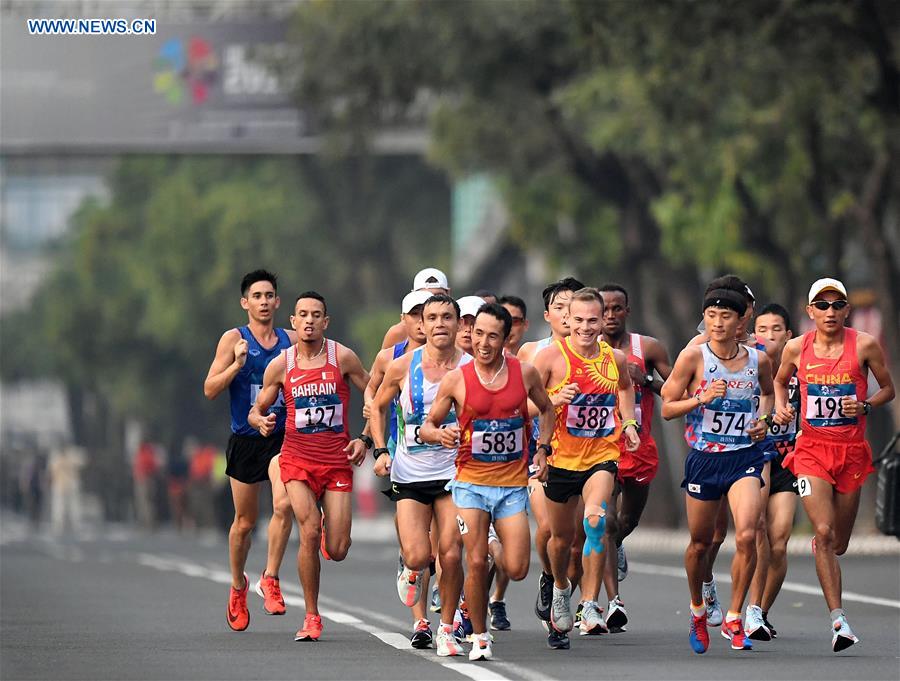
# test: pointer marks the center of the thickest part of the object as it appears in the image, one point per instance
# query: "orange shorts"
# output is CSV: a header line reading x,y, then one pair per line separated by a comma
x,y
639,465
844,465
319,477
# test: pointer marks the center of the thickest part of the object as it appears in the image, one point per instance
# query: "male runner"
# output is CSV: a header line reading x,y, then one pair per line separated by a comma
x,y
595,388
241,359
419,471
490,396
773,326
721,377
646,356
468,308
517,310
429,279
831,458
556,298
313,376
486,295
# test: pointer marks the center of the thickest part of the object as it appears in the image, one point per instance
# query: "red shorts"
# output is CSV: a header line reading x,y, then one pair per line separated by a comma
x,y
844,465
639,465
319,477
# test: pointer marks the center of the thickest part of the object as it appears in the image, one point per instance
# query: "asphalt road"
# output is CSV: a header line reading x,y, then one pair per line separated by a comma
x,y
122,605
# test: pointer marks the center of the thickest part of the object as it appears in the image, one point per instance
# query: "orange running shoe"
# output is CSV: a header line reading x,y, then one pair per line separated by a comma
x,y
312,629
269,589
734,631
325,553
237,614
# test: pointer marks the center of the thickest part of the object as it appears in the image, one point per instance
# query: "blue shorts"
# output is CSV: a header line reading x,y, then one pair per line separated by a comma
x,y
500,502
709,475
770,452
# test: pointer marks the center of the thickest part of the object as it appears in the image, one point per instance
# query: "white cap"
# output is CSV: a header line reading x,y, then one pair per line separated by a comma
x,y
469,305
413,298
826,284
430,278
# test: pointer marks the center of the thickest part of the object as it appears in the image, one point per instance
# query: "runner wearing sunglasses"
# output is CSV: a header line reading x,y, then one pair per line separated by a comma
x,y
831,458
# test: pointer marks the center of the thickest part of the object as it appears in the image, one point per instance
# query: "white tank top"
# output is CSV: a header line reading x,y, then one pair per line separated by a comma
x,y
415,460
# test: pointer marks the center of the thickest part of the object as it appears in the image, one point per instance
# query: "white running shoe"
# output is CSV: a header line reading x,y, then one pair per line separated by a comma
x,y
481,648
754,627
714,614
592,622
409,586
842,635
446,642
616,617
561,609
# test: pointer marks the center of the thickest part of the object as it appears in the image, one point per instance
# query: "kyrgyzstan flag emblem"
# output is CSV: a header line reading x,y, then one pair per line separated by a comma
x,y
327,375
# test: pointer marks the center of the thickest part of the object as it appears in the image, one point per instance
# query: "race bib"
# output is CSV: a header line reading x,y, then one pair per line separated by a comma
x,y
591,415
277,406
725,421
498,440
318,414
638,414
411,432
823,405
786,433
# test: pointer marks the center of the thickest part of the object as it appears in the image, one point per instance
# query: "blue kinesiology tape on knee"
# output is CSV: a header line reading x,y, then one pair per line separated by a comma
x,y
593,534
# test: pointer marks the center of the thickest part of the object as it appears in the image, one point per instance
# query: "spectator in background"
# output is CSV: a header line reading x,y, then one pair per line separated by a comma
x,y
64,468
176,479
146,474
202,497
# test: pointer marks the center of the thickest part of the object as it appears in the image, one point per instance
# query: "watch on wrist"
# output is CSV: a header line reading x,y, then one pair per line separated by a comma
x,y
648,380
546,448
381,450
366,440
866,407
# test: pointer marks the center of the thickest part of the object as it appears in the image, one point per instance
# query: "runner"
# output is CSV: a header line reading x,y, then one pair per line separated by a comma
x,y
313,376
556,298
593,387
490,396
429,279
722,377
519,313
831,458
240,362
468,308
773,325
420,472
646,357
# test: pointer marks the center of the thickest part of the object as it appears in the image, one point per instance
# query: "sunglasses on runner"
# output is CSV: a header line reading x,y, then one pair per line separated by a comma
x,y
518,321
824,304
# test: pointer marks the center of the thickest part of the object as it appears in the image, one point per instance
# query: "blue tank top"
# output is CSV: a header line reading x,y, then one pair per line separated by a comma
x,y
399,349
721,425
249,380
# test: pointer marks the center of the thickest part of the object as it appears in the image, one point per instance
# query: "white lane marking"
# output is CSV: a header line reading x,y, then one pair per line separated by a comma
x,y
172,563
649,569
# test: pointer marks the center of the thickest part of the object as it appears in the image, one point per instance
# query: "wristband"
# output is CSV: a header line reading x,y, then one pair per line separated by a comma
x,y
381,450
866,407
765,419
366,440
546,448
630,422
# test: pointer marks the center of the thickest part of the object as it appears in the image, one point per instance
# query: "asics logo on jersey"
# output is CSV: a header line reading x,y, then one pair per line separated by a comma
x,y
751,469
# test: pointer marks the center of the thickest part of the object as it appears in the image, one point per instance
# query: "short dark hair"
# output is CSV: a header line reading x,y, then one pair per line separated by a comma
x,y
776,309
515,301
484,293
498,311
611,287
441,299
257,275
731,282
315,296
554,289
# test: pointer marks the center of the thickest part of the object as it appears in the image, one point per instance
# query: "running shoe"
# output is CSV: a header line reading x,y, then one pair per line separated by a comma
x,y
269,589
616,617
499,620
435,598
322,548
558,640
481,648
447,645
592,622
421,636
312,629
769,625
622,562
578,610
462,628
237,614
755,627
714,614
699,636
400,565
842,636
561,609
544,597
409,586
734,632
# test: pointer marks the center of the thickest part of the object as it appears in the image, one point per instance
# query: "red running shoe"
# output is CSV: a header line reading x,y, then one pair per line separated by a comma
x,y
237,614
699,636
734,631
269,589
312,629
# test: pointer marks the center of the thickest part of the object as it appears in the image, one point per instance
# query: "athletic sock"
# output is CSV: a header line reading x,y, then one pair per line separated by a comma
x,y
836,614
698,610
732,616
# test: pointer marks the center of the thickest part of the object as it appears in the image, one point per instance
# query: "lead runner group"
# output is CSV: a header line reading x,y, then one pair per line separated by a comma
x,y
476,429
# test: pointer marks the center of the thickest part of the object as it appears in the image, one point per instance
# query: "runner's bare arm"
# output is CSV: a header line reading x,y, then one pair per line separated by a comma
x,y
766,386
387,391
273,381
395,334
657,360
673,393
451,393
790,359
231,354
626,401
537,394
376,376
872,356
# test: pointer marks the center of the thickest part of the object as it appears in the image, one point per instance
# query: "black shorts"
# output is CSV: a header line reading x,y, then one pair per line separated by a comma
x,y
781,479
247,457
423,492
563,484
